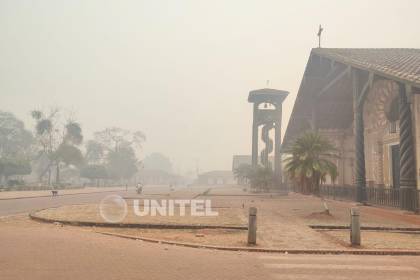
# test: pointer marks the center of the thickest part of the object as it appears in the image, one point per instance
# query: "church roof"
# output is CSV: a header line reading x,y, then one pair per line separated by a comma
x,y
403,64
328,76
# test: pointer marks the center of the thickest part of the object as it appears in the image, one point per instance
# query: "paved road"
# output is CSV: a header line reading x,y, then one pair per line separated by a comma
x,y
341,267
40,251
26,205
67,253
62,253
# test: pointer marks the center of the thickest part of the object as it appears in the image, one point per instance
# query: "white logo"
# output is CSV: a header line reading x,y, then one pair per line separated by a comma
x,y
113,209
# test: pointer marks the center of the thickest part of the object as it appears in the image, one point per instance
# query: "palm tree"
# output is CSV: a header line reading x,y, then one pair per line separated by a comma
x,y
242,173
261,178
310,162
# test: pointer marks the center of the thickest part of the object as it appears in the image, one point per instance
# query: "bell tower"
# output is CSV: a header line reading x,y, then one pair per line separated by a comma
x,y
267,113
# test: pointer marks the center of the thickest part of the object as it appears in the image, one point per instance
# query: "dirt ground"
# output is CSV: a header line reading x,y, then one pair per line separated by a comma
x,y
220,237
91,213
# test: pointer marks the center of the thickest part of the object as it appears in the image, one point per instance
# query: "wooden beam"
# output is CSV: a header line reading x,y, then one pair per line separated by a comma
x,y
333,68
366,88
409,91
335,80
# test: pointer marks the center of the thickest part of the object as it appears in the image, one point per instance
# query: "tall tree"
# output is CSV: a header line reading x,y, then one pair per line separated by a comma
x,y
115,149
113,138
157,161
94,152
58,142
16,146
16,166
15,140
122,164
310,161
94,172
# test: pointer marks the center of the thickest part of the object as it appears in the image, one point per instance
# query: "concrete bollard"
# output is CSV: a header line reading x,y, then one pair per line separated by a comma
x,y
252,226
355,238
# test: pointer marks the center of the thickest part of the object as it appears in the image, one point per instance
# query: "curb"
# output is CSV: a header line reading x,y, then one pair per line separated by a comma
x,y
34,217
204,193
145,195
271,250
26,197
247,195
376,228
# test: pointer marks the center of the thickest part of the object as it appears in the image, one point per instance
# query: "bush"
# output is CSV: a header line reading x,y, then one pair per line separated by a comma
x,y
15,182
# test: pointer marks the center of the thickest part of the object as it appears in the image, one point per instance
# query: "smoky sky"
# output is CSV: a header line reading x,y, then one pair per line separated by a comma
x,y
178,70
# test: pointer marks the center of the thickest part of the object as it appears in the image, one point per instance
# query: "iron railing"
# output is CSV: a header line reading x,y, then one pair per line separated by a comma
x,y
338,192
390,197
383,196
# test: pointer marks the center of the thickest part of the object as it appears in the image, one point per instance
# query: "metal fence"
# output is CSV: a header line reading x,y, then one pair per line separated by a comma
x,y
390,197
338,192
381,196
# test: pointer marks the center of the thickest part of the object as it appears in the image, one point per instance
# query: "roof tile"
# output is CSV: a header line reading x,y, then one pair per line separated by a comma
x,y
400,63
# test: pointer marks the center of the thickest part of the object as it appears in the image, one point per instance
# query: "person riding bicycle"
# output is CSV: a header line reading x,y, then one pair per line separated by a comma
x,y
139,188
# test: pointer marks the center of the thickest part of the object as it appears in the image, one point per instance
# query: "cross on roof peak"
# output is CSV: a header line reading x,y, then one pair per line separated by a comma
x,y
319,35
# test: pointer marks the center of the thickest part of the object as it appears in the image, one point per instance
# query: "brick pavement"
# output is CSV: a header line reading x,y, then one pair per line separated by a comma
x,y
283,221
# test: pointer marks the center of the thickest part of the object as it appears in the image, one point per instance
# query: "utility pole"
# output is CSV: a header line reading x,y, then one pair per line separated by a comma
x,y
197,166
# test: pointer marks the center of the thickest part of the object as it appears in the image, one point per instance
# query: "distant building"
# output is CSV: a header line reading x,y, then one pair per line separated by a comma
x,y
217,177
237,160
157,177
241,159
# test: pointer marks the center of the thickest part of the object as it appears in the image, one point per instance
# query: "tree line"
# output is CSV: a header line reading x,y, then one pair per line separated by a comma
x,y
57,143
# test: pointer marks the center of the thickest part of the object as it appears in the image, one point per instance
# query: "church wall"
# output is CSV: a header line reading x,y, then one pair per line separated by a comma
x,y
381,134
345,145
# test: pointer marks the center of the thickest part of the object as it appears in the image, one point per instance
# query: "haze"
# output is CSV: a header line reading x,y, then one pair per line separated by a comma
x,y
178,70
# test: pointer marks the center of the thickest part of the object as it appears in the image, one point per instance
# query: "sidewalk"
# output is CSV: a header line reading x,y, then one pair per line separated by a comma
x,y
284,222
29,194
279,229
